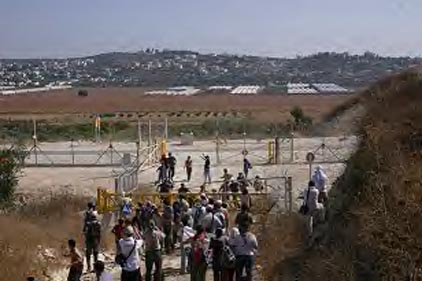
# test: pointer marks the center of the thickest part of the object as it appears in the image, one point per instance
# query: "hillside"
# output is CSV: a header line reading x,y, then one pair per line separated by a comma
x,y
373,231
175,68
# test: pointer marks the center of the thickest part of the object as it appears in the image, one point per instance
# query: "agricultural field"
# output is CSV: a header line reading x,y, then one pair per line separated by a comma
x,y
132,104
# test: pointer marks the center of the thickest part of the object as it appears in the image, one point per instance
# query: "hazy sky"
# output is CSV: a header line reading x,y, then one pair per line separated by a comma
x,y
60,28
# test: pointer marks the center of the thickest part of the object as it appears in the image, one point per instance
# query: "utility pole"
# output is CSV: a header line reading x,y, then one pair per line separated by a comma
x,y
149,141
217,143
166,129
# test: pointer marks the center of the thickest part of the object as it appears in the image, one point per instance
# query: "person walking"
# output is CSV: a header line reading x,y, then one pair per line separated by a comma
x,y
199,262
129,247
245,248
154,240
76,262
92,232
229,257
207,169
188,168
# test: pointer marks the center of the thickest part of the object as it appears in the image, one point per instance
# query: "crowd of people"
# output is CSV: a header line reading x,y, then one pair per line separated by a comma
x,y
201,229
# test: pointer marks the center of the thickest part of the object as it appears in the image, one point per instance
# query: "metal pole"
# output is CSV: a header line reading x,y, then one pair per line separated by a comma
x,y
149,141
137,154
217,146
166,132
290,186
292,148
139,132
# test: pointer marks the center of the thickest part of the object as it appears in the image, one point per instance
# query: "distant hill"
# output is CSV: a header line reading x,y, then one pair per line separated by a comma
x,y
175,68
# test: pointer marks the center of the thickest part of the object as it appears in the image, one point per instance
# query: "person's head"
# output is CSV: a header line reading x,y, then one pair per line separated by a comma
x,y
99,267
71,243
234,232
311,184
207,157
91,205
225,171
202,188
224,205
128,232
257,177
189,157
121,221
244,208
182,185
240,175
211,201
319,168
218,204
218,232
166,201
209,209
199,229
244,190
170,154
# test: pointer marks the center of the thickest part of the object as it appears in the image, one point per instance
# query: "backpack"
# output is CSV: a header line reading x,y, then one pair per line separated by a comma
x,y
93,229
228,257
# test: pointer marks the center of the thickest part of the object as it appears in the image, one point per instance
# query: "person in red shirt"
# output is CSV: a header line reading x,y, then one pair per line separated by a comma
x,y
118,231
199,262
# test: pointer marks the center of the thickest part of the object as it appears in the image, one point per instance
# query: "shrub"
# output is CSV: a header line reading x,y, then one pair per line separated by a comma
x,y
10,165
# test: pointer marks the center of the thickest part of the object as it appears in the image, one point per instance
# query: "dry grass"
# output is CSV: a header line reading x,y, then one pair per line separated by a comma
x,y
26,233
374,230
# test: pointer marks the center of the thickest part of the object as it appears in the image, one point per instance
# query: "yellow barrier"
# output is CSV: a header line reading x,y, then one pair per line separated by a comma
x,y
270,150
110,202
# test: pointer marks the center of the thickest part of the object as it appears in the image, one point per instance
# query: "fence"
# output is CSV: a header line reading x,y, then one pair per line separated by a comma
x,y
278,192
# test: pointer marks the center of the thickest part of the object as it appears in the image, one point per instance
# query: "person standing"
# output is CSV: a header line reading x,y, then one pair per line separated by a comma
x,y
246,166
118,231
186,234
131,267
216,246
207,169
168,219
244,220
314,208
320,179
76,262
199,262
92,232
188,168
154,240
171,160
245,248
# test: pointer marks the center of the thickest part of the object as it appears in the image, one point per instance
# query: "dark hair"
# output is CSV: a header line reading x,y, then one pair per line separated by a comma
x,y
218,232
71,242
199,229
99,266
311,183
224,205
211,201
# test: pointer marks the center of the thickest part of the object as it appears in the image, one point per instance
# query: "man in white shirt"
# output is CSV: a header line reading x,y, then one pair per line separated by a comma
x,y
186,233
315,209
245,248
130,250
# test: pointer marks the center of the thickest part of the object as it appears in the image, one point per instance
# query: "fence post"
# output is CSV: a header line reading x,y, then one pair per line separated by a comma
x,y
292,148
290,187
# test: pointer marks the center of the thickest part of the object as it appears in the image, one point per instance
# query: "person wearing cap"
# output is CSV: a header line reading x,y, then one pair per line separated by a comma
x,y
129,247
154,241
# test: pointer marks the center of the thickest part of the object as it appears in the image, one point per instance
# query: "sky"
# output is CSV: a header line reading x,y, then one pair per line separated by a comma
x,y
279,28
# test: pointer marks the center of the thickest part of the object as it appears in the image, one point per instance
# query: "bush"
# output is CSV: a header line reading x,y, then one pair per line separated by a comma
x,y
83,93
10,165
301,121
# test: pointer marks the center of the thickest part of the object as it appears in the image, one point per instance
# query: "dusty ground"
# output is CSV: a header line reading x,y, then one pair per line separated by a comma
x,y
41,181
131,103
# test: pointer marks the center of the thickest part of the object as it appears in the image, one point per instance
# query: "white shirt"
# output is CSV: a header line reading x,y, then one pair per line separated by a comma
x,y
106,276
320,179
133,261
185,234
312,199
244,245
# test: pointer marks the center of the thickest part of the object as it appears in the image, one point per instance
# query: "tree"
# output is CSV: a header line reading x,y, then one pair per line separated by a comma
x,y
83,93
300,119
10,165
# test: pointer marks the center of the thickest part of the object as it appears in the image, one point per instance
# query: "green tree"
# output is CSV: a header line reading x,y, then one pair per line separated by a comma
x,y
299,118
10,165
